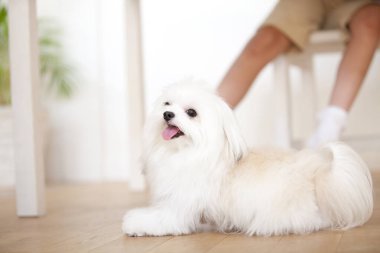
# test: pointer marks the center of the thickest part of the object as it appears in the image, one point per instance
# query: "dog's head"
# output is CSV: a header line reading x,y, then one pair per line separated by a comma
x,y
190,116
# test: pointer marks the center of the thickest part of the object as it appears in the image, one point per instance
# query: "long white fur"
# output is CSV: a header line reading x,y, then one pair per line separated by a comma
x,y
209,176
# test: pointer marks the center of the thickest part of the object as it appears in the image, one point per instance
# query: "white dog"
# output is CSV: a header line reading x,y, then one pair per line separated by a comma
x,y
200,172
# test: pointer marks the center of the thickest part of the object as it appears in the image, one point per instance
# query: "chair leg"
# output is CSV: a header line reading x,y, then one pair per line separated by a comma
x,y
135,92
282,103
309,94
30,186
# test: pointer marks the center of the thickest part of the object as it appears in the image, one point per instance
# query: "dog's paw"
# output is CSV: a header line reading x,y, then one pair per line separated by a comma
x,y
148,222
133,224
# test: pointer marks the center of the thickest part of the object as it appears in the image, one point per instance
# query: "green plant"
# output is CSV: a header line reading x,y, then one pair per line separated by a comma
x,y
5,97
57,76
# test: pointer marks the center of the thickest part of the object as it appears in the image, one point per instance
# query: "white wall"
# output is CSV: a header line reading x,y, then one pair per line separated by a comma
x,y
87,134
202,38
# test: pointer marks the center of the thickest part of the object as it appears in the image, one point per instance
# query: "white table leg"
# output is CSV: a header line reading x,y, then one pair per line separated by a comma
x,y
283,116
135,92
30,186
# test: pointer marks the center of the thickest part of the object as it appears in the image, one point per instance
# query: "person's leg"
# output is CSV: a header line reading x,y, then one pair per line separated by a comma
x,y
289,24
266,45
365,34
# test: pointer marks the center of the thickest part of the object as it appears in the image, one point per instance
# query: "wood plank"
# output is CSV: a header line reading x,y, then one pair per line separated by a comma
x,y
244,244
364,239
201,242
81,217
323,241
131,244
87,218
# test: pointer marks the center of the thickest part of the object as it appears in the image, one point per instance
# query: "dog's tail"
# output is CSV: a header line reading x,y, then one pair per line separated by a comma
x,y
344,189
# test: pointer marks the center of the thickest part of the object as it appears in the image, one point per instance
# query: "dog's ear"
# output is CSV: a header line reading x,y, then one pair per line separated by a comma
x,y
236,145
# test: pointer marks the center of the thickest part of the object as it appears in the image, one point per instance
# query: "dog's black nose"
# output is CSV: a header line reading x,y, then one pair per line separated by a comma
x,y
168,115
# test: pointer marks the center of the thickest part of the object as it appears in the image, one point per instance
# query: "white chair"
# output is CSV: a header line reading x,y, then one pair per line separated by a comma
x,y
320,42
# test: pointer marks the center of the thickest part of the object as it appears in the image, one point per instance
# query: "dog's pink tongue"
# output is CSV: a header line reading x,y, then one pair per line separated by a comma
x,y
169,132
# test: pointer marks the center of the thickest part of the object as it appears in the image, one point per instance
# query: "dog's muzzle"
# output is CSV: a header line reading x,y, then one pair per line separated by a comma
x,y
171,131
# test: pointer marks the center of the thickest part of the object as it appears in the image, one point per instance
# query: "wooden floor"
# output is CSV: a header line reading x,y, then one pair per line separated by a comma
x,y
87,218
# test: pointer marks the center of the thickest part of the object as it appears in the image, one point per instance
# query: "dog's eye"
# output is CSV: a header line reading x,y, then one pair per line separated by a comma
x,y
191,112
166,103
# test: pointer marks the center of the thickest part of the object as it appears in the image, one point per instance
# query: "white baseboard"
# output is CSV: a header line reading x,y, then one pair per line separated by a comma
x,y
369,148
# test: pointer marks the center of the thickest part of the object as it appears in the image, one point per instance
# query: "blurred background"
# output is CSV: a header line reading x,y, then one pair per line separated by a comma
x,y
85,95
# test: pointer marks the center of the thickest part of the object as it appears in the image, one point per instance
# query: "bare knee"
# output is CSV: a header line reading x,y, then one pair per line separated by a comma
x,y
366,21
268,40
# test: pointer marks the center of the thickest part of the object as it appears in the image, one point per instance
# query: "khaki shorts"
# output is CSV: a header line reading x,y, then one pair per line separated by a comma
x,y
298,18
